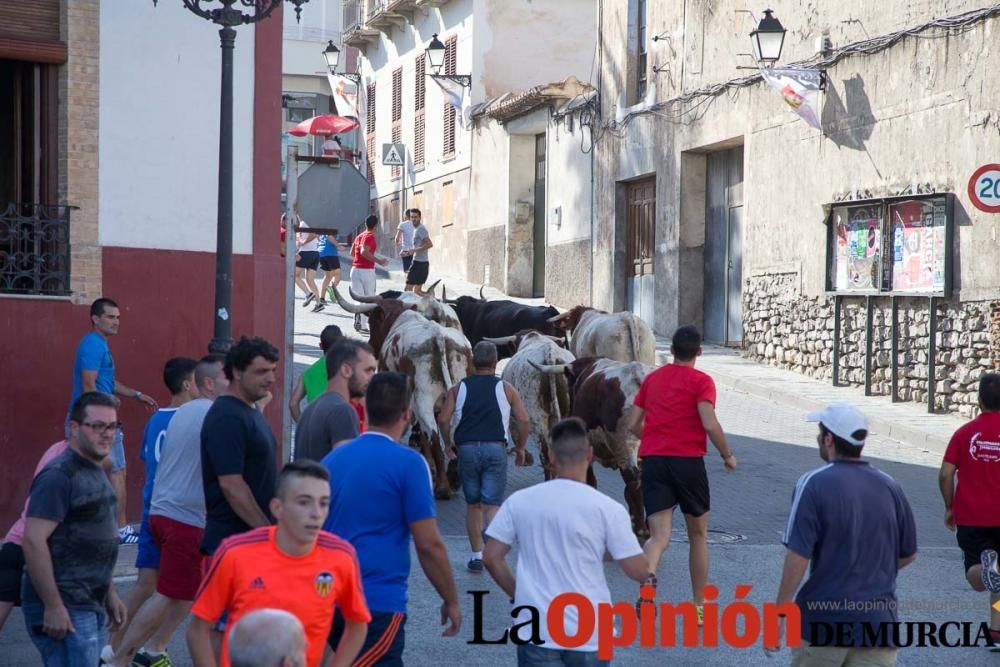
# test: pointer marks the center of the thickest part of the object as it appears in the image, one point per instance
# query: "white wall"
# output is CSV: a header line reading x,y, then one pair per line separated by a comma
x,y
303,42
379,61
567,180
159,120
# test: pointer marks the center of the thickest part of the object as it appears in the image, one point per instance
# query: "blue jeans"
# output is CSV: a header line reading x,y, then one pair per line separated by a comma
x,y
529,655
77,649
482,469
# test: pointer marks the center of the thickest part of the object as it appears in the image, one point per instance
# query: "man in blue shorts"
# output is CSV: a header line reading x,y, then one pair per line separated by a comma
x,y
329,262
178,376
94,370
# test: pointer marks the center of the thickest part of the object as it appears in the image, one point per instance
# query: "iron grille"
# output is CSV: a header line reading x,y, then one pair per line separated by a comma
x,y
34,249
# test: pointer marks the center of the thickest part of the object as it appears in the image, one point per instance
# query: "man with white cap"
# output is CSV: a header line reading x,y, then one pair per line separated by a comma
x,y
852,522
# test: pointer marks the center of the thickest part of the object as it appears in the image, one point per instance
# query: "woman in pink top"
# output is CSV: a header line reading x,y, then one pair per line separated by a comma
x,y
11,555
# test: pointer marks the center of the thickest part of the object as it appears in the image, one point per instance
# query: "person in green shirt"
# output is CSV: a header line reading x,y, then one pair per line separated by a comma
x,y
312,383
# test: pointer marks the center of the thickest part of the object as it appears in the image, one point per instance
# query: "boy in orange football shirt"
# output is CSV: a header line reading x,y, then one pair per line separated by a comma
x,y
293,566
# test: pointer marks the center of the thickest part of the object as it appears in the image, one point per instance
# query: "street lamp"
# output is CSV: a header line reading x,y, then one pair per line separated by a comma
x,y
435,58
332,55
768,39
228,17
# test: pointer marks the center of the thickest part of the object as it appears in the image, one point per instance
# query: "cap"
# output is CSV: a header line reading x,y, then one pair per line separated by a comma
x,y
843,420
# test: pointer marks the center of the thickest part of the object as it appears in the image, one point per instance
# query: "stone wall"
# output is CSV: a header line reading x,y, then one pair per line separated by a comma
x,y
786,329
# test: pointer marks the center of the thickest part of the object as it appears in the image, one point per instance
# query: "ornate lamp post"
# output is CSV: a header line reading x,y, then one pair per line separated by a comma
x,y
332,55
226,14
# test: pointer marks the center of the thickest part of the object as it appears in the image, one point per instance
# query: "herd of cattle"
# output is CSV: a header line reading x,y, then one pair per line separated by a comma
x,y
584,363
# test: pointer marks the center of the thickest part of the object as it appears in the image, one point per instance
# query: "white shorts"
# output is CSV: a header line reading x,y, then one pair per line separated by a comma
x,y
363,283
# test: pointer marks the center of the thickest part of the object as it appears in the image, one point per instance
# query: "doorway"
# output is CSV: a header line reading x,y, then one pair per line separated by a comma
x,y
723,303
538,229
640,245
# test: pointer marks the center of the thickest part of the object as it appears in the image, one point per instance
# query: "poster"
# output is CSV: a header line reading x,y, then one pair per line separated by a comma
x,y
858,251
919,260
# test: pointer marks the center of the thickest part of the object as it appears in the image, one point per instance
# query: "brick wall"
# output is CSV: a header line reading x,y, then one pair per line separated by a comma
x,y
79,97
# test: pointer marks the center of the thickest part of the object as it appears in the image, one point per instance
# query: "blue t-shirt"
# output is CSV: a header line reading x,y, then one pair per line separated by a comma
x,y
93,354
328,247
378,487
853,523
152,443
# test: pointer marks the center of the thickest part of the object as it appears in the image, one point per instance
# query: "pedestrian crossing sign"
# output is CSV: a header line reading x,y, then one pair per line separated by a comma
x,y
392,154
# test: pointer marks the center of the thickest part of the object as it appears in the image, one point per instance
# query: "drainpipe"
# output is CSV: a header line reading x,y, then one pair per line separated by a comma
x,y
596,115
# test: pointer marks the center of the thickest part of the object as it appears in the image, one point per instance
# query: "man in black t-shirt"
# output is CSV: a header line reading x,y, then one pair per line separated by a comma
x,y
238,449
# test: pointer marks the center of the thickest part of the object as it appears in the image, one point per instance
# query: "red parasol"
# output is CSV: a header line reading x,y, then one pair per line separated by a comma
x,y
324,126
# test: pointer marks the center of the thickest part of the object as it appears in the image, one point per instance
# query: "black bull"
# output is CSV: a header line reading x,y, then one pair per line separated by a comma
x,y
498,319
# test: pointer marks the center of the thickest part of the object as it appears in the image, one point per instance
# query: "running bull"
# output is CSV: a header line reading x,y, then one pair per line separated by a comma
x,y
546,396
498,319
434,356
619,336
602,394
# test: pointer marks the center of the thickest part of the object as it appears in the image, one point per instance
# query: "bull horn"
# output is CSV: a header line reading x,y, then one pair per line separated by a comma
x,y
549,369
430,290
361,298
481,297
351,307
558,318
506,340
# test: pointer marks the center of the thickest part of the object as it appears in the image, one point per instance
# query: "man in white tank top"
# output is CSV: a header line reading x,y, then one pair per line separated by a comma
x,y
479,409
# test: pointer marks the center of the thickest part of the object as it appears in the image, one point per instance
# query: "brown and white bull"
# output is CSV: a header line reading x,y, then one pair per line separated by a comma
x,y
435,357
602,393
620,336
546,397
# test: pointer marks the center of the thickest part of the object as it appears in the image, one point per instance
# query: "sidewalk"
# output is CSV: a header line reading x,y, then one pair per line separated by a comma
x,y
907,422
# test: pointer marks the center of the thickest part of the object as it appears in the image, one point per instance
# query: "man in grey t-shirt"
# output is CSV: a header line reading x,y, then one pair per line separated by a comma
x,y
331,419
71,542
177,522
417,274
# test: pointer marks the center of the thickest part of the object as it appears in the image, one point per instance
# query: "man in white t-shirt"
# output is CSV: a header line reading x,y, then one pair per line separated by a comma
x,y
562,528
306,262
404,240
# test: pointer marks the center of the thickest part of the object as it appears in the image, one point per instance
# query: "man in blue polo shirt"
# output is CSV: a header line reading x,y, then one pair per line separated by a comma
x,y
94,370
852,522
380,494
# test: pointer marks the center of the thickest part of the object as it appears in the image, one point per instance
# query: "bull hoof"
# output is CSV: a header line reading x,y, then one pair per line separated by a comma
x,y
452,475
642,534
442,494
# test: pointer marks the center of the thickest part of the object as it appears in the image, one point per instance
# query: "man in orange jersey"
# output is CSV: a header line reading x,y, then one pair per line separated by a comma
x,y
293,566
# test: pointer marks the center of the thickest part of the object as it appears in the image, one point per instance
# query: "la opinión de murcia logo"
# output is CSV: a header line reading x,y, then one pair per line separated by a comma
x,y
738,624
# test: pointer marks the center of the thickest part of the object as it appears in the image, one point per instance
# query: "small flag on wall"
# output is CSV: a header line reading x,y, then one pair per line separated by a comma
x,y
800,89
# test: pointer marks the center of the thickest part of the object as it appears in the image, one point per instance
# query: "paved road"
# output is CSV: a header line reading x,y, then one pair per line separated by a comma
x,y
774,446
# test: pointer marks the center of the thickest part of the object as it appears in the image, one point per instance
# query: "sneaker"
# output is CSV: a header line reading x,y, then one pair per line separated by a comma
x,y
143,659
107,653
475,565
993,644
319,306
309,299
991,576
128,536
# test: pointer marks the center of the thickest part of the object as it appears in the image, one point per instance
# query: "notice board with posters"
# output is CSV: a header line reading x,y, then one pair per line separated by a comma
x,y
897,245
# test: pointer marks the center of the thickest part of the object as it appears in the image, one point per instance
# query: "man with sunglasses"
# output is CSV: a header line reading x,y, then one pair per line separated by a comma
x,y
71,542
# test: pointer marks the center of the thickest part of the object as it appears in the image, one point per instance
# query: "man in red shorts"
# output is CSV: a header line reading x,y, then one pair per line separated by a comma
x,y
972,511
294,566
675,411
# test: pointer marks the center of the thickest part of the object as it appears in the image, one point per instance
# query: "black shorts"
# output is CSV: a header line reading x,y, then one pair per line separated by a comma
x,y
385,640
417,275
308,259
11,569
974,540
331,263
407,260
675,480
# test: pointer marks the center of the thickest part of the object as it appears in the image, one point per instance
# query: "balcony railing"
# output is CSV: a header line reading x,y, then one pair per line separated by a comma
x,y
375,7
354,15
34,249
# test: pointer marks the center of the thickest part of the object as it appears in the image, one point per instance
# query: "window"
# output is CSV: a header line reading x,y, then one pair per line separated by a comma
x,y
900,245
419,100
34,230
642,46
299,114
450,57
370,130
397,112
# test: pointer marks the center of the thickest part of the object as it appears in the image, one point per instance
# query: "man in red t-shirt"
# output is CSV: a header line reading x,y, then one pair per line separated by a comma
x,y
974,453
675,411
363,260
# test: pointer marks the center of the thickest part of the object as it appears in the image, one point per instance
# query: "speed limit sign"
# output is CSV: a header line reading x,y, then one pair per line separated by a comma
x,y
984,188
